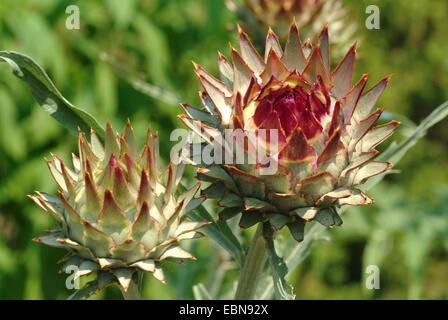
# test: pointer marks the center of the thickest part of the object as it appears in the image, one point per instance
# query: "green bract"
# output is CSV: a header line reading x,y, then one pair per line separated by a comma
x,y
116,211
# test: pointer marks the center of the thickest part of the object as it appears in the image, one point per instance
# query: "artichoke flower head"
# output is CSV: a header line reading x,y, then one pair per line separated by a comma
x,y
324,125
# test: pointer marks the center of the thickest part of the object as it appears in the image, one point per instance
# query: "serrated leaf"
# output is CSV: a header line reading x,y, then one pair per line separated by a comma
x,y
283,290
294,255
85,292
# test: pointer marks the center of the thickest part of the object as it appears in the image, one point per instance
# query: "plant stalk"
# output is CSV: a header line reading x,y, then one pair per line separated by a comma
x,y
132,293
252,267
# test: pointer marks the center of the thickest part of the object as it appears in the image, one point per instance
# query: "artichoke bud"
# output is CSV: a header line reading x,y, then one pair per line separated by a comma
x,y
117,212
310,16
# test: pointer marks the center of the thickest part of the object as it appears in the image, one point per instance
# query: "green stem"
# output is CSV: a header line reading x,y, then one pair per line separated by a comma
x,y
132,293
252,267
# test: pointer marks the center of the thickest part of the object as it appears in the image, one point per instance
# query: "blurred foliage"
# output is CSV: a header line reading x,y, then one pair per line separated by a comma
x,y
404,233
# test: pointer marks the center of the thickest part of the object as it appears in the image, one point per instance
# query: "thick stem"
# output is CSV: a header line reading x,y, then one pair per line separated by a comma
x,y
252,267
132,293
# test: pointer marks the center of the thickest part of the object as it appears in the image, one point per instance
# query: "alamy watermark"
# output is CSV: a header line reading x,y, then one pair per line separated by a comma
x,y
373,20
72,281
373,278
72,22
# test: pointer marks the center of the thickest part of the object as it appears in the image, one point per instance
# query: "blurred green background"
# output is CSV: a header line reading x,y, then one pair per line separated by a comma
x,y
405,232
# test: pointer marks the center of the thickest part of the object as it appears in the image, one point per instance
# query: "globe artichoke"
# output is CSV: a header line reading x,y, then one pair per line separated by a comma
x,y
310,15
325,128
116,212
269,11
